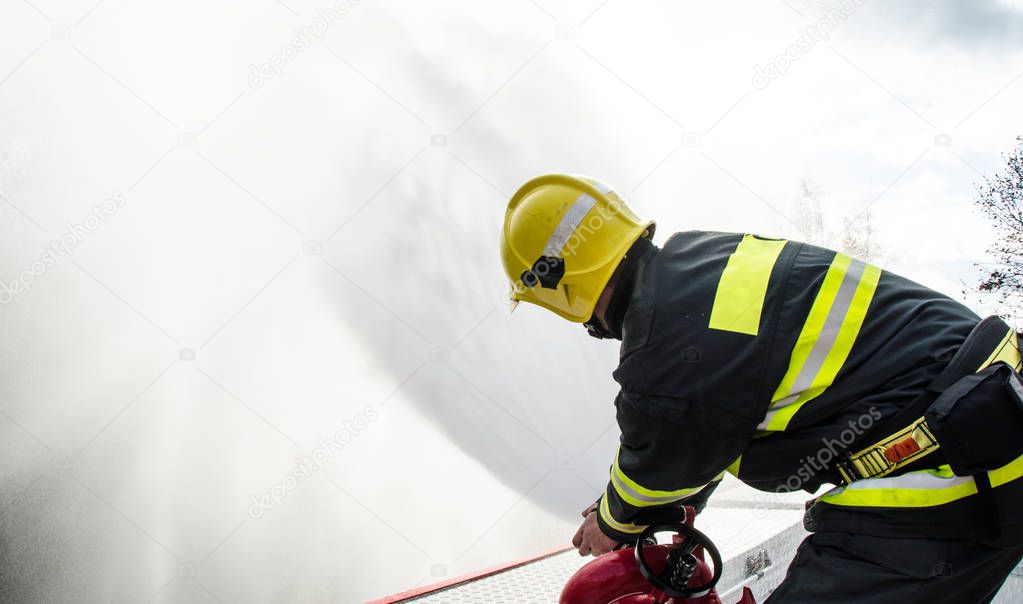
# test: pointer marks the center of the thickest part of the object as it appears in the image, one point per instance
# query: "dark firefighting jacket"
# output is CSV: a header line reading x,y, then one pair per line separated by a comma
x,y
768,359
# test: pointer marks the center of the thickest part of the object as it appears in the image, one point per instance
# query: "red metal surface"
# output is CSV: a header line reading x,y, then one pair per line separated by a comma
x,y
615,577
487,572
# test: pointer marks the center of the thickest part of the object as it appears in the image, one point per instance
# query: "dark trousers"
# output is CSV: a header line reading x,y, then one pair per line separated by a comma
x,y
854,568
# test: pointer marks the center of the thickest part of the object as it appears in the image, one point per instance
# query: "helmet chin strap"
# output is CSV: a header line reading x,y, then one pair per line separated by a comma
x,y
609,325
596,330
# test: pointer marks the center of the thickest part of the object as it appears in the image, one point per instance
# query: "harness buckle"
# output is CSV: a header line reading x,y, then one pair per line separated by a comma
x,y
846,471
890,453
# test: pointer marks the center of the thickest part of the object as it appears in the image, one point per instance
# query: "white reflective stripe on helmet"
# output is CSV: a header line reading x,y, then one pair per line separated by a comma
x,y
567,225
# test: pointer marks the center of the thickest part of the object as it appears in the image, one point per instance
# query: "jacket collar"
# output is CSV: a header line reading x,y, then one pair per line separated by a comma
x,y
625,279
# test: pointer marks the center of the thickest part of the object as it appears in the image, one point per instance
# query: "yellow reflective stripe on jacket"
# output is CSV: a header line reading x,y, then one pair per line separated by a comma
x,y
923,488
1007,352
739,300
638,496
826,339
605,515
733,469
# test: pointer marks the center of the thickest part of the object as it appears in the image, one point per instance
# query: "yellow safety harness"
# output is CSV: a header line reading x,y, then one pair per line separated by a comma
x,y
890,453
916,440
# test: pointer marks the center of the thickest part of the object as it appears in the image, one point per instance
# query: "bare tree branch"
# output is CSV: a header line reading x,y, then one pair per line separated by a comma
x,y
1000,199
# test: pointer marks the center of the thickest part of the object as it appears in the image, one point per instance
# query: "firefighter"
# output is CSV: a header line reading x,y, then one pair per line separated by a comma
x,y
791,367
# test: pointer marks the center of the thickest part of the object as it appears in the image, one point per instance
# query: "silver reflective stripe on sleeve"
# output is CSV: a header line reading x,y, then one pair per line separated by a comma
x,y
567,225
826,339
639,499
829,335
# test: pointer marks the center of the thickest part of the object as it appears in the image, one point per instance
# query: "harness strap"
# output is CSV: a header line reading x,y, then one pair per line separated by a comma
x,y
987,506
986,344
889,454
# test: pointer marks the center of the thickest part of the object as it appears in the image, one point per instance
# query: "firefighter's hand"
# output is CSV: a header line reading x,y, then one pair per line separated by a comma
x,y
590,540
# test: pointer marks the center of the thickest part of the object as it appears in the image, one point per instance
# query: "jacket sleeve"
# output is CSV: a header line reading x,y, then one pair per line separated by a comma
x,y
669,455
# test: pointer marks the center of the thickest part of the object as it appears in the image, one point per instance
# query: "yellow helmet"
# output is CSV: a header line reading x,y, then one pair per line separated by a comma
x,y
563,238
